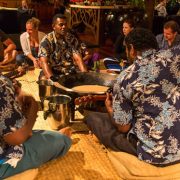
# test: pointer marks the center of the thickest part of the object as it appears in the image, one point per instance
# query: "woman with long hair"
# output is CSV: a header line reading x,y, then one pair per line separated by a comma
x,y
117,63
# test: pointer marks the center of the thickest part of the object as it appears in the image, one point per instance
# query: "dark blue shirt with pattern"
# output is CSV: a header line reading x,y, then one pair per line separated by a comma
x,y
147,95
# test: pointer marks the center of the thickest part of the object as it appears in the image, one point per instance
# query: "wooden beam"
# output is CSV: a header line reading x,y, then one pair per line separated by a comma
x,y
149,7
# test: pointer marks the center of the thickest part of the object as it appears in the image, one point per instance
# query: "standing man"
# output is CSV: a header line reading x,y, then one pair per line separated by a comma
x,y
59,51
144,112
170,36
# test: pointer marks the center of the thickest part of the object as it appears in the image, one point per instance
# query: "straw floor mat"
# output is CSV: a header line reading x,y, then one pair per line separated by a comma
x,y
86,160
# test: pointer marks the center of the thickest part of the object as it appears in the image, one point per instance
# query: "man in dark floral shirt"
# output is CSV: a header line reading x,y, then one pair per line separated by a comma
x,y
22,148
145,106
59,50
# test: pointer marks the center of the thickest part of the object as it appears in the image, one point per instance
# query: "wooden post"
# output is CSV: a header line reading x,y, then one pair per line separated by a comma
x,y
149,7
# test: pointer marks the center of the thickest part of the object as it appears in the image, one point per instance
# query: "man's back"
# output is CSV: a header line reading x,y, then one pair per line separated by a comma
x,y
152,86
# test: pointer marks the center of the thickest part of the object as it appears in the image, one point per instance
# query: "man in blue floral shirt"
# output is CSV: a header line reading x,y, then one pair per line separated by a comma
x,y
145,107
20,147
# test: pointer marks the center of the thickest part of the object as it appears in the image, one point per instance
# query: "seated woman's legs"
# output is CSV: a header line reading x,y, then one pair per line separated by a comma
x,y
22,59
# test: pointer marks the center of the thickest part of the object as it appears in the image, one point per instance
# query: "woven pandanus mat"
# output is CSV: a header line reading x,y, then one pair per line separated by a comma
x,y
29,84
86,159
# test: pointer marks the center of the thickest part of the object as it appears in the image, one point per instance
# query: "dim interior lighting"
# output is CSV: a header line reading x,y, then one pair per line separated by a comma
x,y
145,16
125,15
120,18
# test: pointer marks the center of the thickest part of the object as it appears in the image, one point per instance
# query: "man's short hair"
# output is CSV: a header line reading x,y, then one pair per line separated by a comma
x,y
141,39
61,16
172,25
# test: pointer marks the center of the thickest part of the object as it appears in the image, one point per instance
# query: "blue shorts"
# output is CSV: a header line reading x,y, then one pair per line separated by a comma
x,y
43,146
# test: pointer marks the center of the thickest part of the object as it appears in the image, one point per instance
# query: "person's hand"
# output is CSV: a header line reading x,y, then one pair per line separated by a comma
x,y
39,64
36,64
108,103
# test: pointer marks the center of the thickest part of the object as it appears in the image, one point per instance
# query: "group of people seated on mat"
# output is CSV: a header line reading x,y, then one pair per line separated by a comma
x,y
169,38
143,112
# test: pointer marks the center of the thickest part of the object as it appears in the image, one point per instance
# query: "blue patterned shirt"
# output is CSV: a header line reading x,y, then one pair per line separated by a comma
x,y
147,95
11,119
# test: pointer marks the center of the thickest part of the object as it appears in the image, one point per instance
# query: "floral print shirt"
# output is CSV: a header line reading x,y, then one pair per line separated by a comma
x,y
59,51
147,95
11,119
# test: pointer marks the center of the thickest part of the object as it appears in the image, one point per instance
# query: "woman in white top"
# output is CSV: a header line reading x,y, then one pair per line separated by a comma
x,y
30,41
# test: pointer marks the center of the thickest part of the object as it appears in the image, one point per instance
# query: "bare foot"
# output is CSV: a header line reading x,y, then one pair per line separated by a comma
x,y
66,131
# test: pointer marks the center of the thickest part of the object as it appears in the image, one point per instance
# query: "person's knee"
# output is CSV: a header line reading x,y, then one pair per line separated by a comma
x,y
67,142
91,120
57,145
14,54
62,145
